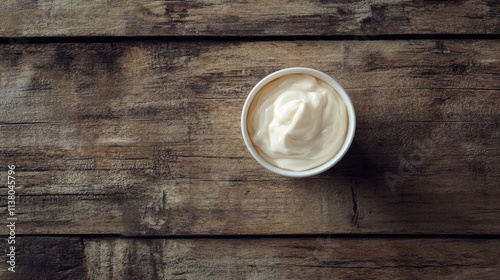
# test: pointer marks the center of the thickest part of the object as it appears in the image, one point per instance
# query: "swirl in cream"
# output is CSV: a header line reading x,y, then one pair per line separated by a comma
x,y
297,122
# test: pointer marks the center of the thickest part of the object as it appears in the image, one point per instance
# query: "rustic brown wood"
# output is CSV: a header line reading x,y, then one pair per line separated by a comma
x,y
296,258
46,258
143,138
20,18
56,258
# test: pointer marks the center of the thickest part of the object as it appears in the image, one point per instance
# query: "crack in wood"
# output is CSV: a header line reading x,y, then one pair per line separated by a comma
x,y
354,193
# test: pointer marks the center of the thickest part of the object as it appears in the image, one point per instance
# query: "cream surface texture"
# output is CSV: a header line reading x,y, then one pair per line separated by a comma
x,y
297,122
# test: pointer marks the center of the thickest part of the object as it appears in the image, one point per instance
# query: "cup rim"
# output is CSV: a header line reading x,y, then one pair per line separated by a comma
x,y
318,169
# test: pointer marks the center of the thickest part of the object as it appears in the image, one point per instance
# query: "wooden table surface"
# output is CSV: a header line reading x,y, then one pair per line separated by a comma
x,y
122,120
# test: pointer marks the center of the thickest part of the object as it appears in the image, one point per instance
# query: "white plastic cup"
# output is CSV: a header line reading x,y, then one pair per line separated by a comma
x,y
321,76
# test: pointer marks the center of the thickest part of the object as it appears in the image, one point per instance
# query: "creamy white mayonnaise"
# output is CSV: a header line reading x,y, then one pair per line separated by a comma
x,y
297,122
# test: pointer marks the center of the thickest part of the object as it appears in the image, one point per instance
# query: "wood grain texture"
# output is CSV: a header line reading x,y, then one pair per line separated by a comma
x,y
297,258
26,18
55,258
143,138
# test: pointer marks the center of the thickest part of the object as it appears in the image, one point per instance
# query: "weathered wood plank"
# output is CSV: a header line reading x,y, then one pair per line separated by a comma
x,y
246,18
143,138
55,258
295,258
46,258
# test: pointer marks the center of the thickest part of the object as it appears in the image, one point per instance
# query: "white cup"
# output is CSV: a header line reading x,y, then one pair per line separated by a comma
x,y
350,128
